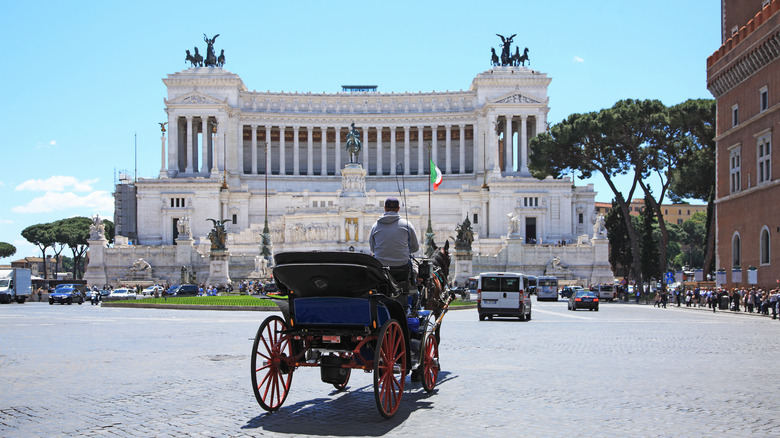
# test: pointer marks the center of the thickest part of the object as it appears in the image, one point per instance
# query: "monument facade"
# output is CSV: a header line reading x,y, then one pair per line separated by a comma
x,y
225,144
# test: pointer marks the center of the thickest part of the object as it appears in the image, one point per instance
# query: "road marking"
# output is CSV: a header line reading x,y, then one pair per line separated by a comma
x,y
565,315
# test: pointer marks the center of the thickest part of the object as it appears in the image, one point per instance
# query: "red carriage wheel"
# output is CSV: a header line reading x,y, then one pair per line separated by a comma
x,y
389,368
271,373
430,364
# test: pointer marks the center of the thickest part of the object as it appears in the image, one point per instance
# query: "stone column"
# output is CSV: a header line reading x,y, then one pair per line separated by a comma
x,y
282,147
448,148
523,146
434,146
214,154
407,150
268,168
483,224
296,152
310,150
254,150
379,161
509,166
337,159
173,143
365,148
189,145
392,150
163,173
420,151
462,150
239,162
478,147
324,152
204,148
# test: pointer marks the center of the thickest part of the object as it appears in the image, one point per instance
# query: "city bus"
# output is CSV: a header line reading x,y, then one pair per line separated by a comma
x,y
546,289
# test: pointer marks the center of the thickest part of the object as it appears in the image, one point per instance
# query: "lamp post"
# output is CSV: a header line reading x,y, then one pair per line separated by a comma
x,y
429,243
266,238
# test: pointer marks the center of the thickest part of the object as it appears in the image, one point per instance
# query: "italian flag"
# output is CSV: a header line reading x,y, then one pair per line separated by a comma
x,y
435,176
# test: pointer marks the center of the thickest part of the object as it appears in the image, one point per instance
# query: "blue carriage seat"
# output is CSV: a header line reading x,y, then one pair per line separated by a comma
x,y
333,288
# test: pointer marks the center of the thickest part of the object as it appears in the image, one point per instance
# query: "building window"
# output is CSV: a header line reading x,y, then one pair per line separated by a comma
x,y
689,212
666,211
765,246
734,30
764,98
581,218
476,219
177,202
734,115
735,166
736,251
764,155
235,219
679,221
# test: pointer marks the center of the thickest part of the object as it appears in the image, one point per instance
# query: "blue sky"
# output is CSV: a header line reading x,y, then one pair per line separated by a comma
x,y
81,80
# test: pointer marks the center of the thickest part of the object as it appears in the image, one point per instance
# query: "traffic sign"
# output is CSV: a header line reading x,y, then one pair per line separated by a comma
x,y
669,277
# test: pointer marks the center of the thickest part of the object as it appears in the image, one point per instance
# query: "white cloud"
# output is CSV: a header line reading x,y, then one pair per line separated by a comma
x,y
6,221
58,183
50,145
98,201
579,60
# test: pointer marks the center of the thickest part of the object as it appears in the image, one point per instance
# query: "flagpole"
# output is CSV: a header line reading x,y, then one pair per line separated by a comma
x,y
429,232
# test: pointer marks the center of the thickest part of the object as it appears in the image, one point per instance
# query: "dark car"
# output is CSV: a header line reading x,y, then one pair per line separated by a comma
x,y
270,288
567,292
66,294
584,299
183,290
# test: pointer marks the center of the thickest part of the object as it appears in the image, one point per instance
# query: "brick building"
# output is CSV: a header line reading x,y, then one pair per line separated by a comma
x,y
744,76
673,213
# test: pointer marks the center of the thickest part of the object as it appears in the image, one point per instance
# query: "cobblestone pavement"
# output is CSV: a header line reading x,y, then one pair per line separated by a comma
x,y
626,370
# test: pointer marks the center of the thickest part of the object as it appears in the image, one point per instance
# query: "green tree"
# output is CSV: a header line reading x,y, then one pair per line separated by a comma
x,y
619,242
694,175
6,250
73,232
612,142
649,245
43,237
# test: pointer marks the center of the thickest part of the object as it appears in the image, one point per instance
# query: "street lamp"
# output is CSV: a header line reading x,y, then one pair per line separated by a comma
x,y
266,238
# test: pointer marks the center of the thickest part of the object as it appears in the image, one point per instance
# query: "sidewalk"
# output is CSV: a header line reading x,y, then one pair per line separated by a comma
x,y
709,309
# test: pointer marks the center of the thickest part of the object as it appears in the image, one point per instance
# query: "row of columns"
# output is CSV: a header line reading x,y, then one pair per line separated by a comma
x,y
508,145
366,152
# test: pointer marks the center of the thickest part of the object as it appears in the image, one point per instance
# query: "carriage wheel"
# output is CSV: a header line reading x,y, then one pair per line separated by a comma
x,y
389,368
271,375
430,365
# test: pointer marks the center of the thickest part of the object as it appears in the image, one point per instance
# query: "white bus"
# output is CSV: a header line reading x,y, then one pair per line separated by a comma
x,y
546,289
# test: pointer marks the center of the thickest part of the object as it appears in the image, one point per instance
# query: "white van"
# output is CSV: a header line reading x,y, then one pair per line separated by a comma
x,y
604,291
503,294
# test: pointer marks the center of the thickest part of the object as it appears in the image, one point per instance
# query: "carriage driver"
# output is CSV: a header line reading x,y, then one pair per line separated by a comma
x,y
393,241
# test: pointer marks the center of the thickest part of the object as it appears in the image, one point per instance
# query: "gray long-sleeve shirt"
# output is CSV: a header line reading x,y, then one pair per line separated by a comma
x,y
393,239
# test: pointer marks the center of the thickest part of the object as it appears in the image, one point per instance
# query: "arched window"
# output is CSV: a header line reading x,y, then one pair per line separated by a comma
x,y
764,246
736,251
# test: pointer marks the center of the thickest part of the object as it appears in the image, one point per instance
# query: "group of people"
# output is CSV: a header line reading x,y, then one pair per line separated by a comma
x,y
752,300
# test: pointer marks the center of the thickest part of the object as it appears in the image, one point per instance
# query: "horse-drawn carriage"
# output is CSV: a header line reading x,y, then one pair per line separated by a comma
x,y
344,311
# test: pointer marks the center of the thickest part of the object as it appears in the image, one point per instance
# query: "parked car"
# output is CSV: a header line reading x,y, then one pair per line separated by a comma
x,y
122,293
152,290
67,295
567,291
183,290
584,299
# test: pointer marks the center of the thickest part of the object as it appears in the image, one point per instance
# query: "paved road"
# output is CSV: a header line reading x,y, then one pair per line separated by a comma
x,y
627,370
